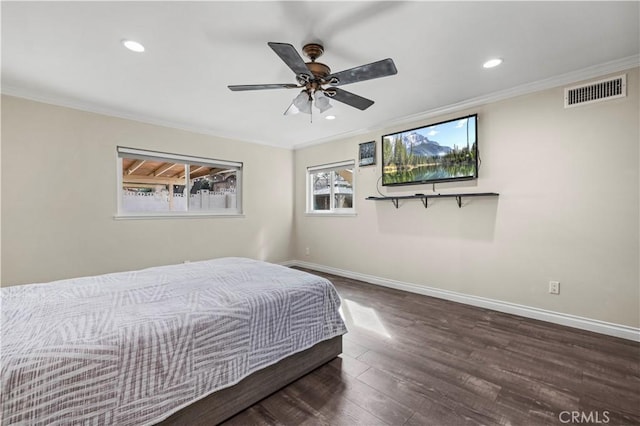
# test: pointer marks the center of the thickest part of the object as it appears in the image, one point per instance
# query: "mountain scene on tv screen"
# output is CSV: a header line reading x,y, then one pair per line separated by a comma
x,y
440,152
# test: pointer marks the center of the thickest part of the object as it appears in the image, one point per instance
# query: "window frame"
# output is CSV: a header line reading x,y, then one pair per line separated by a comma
x,y
187,161
332,168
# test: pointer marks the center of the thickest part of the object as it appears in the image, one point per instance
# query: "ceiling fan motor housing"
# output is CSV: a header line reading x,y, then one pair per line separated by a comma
x,y
319,70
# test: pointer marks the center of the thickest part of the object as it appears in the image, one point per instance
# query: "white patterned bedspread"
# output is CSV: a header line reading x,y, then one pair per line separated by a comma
x,y
131,348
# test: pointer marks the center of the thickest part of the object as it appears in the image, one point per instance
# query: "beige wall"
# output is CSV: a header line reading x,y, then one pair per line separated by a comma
x,y
568,210
65,160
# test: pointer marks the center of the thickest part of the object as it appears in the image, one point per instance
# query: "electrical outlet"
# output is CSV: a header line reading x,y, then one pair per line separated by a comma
x,y
554,287
307,251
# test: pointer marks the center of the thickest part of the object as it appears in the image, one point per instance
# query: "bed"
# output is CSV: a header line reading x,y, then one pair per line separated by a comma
x,y
190,344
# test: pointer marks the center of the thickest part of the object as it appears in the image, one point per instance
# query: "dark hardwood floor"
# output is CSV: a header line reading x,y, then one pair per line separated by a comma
x,y
415,360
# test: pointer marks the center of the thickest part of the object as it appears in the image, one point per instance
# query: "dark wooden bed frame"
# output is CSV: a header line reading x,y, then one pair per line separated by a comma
x,y
225,403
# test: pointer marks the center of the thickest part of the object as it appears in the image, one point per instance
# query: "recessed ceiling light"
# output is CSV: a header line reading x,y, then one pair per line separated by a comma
x,y
133,46
330,117
492,63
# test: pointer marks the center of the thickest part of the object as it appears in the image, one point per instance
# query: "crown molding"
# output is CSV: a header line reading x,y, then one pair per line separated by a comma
x,y
537,86
562,79
62,101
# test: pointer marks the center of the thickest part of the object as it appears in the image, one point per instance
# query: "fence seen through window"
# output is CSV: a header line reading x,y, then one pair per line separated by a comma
x,y
156,183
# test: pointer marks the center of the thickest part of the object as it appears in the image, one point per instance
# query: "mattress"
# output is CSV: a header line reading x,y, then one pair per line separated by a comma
x,y
131,348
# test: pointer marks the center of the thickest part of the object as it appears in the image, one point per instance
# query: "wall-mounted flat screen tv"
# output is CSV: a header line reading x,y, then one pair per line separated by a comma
x,y
440,152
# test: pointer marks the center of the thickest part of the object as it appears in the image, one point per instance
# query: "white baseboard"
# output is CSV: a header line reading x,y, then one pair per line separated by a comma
x,y
610,329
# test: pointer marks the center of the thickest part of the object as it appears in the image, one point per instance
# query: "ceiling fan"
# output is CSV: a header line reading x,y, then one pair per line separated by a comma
x,y
317,82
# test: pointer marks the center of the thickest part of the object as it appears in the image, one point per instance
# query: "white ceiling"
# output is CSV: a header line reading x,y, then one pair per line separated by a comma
x,y
70,53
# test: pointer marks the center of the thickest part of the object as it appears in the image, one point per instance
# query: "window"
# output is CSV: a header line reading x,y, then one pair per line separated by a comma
x,y
330,188
160,184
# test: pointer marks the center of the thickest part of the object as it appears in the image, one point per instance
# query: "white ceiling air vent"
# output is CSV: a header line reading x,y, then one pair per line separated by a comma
x,y
596,91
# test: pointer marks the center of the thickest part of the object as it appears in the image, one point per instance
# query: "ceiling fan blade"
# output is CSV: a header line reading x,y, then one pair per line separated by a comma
x,y
349,98
291,57
378,69
241,87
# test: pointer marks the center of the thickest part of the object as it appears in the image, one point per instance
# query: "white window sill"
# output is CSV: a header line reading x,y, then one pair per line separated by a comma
x,y
330,214
177,216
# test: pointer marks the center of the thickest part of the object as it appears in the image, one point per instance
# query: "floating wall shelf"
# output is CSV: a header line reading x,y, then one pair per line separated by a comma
x,y
424,197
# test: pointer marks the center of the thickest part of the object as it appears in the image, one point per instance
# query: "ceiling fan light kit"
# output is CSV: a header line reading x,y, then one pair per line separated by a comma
x,y
322,101
303,102
314,77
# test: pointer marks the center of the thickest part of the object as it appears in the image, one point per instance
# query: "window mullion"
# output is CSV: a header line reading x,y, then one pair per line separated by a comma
x,y
332,196
187,189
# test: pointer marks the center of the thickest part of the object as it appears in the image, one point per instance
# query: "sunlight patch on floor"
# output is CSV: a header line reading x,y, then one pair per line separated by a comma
x,y
363,317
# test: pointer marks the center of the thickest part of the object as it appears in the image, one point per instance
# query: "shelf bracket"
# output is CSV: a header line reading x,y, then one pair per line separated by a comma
x,y
395,202
424,201
459,200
